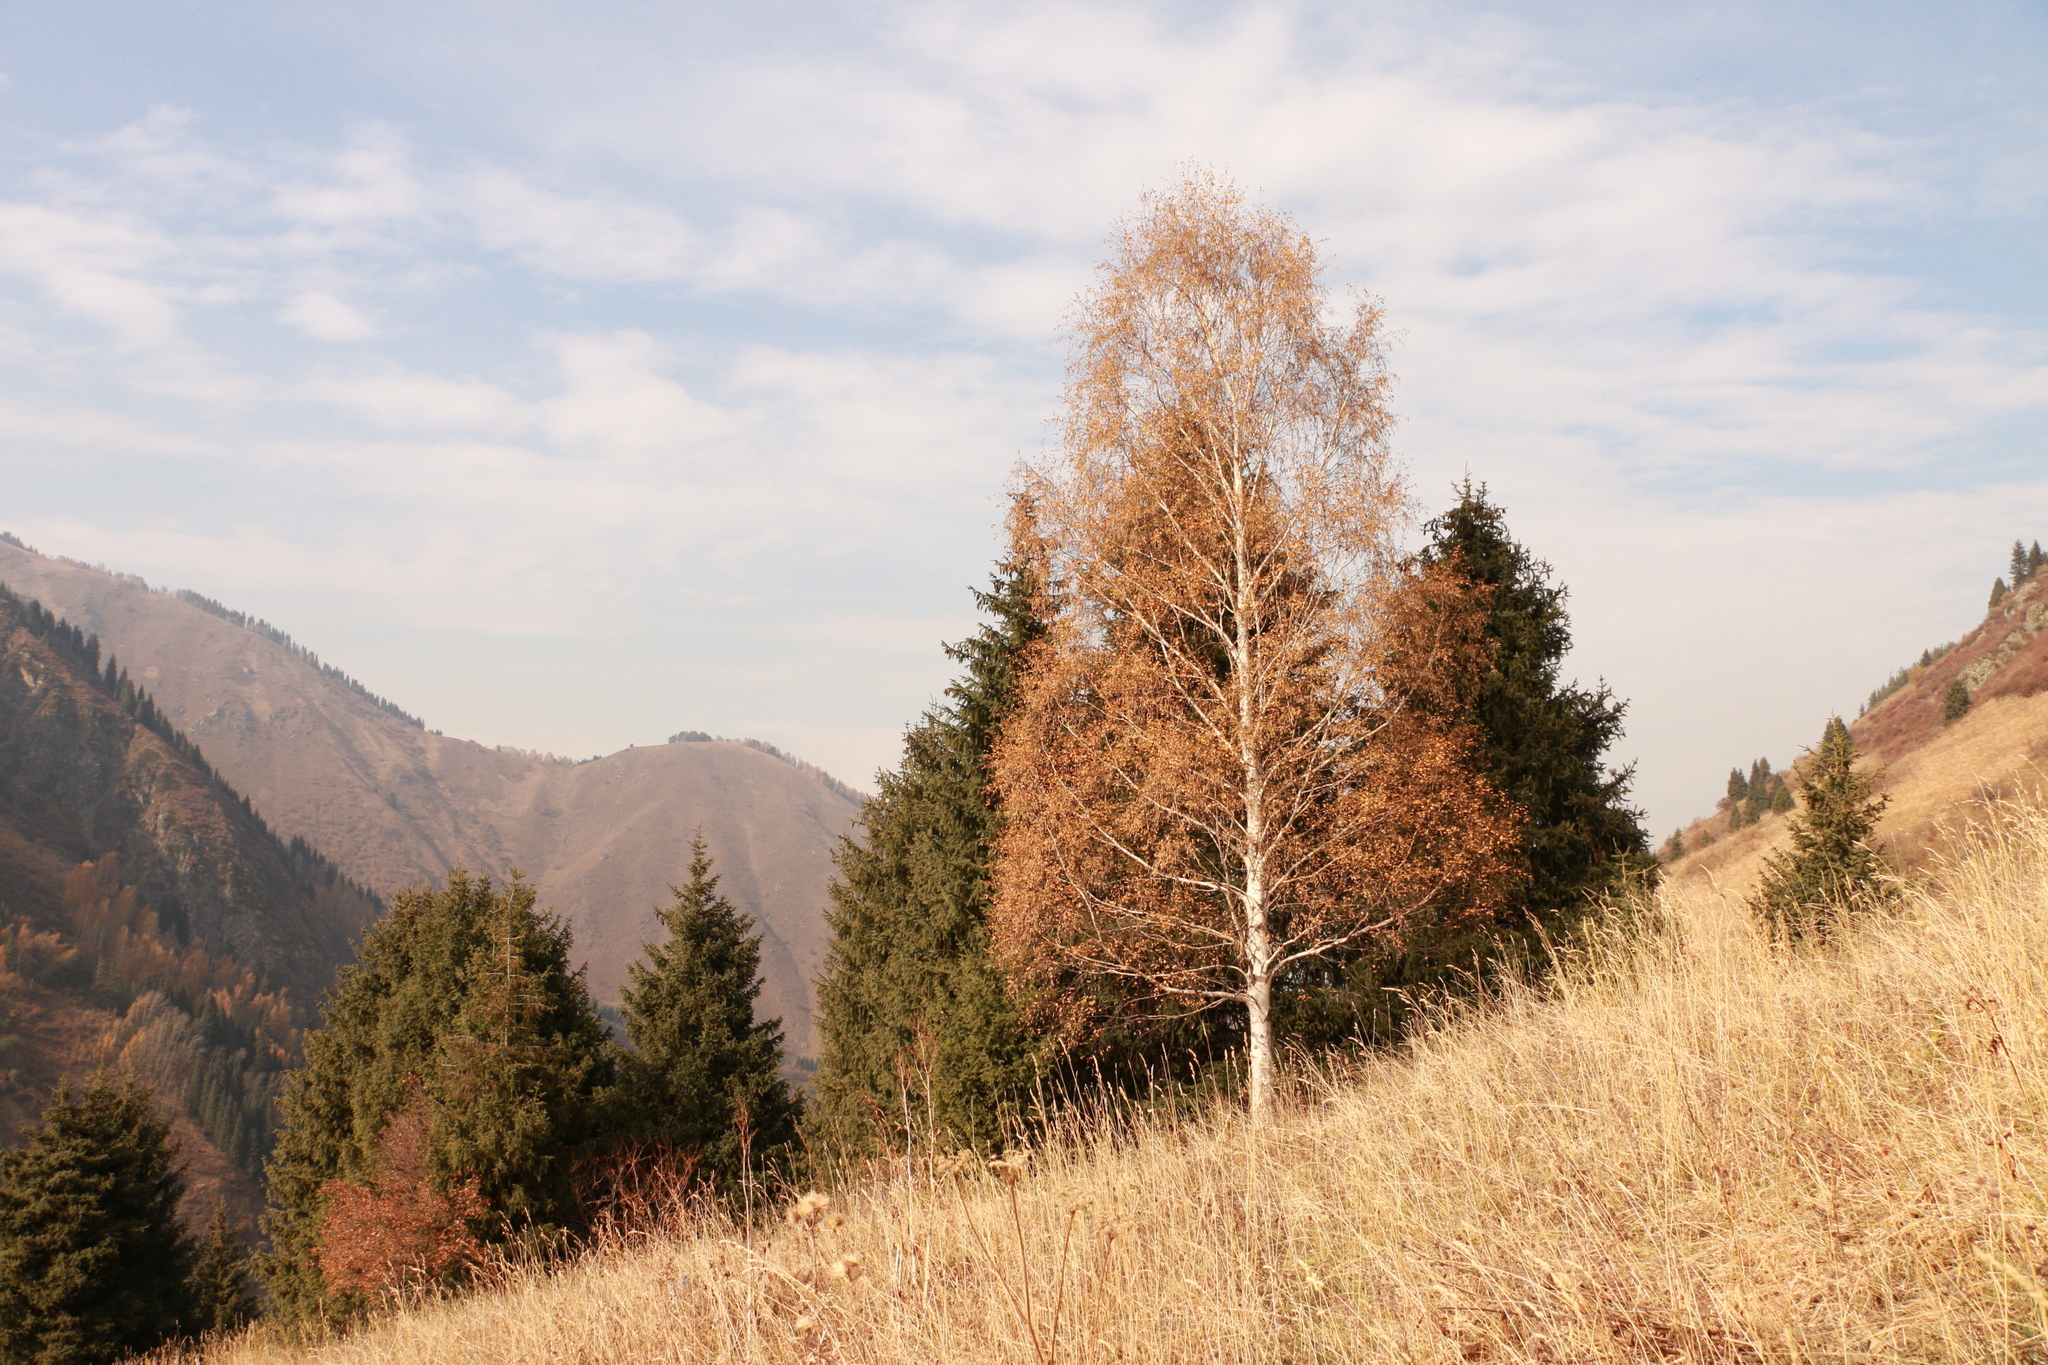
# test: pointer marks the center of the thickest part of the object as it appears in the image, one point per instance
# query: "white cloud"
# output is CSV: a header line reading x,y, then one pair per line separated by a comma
x,y
324,317
399,399
590,237
769,327
371,182
91,267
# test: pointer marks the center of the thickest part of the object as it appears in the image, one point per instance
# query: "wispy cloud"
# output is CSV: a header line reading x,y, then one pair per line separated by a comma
x,y
737,346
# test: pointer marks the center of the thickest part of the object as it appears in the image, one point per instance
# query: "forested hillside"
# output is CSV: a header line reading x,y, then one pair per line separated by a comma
x,y
396,805
149,920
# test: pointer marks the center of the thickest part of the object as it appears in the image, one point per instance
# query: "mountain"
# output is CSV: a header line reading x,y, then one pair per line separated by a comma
x,y
151,920
396,805
1938,773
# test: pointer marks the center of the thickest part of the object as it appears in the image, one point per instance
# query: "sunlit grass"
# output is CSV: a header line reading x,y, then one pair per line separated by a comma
x,y
1695,1147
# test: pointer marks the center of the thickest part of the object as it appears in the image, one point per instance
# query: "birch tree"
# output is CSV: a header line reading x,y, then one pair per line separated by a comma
x,y
1209,778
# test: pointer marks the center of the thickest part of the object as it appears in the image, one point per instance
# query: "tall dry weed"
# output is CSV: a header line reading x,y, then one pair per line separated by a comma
x,y
1694,1147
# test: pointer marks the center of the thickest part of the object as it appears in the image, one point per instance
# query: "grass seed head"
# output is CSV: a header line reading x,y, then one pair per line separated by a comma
x,y
809,1208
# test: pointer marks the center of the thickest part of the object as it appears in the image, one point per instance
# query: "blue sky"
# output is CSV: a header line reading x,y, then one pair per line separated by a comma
x,y
576,374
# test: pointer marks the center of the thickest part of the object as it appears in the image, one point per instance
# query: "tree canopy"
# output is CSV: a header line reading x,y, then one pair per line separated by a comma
x,y
1204,780
462,1001
94,1265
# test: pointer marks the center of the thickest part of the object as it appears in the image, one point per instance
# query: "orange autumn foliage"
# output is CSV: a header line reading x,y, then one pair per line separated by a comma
x,y
1211,773
401,1229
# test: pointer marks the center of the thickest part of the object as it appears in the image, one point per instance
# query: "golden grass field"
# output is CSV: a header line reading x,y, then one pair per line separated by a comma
x,y
1693,1147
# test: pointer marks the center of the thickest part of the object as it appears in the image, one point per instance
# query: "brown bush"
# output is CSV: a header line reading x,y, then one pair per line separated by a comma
x,y
401,1229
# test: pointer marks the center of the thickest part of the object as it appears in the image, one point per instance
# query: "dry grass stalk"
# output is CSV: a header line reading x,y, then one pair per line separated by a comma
x,y
1696,1148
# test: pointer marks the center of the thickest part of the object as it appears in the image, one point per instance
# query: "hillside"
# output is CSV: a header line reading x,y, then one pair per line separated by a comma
x,y
147,918
1693,1148
1936,774
396,805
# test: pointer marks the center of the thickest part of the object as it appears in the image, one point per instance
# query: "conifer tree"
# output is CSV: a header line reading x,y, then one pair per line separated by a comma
x,y
1955,700
1758,800
1738,787
2034,558
1542,744
914,1010
93,1263
1545,739
1998,591
2017,567
221,1288
703,1078
1832,867
464,991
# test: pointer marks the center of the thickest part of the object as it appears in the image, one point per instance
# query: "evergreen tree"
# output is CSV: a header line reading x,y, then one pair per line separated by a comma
x,y
913,1009
1542,745
1758,800
1998,591
221,1289
1544,739
1781,798
1955,699
93,1264
702,1079
2034,558
2016,568
1738,787
464,991
1831,867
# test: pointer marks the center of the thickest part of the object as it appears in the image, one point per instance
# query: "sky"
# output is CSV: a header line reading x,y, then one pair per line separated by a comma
x,y
578,374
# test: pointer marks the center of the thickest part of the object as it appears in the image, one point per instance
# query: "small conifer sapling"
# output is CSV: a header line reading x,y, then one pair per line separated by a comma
x,y
1833,866
1955,700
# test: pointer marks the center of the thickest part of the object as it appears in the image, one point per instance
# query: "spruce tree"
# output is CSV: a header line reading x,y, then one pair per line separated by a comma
x,y
2017,566
1955,700
1738,787
1542,742
463,991
1832,866
1758,799
914,1011
1998,591
221,1288
1544,739
703,1078
93,1263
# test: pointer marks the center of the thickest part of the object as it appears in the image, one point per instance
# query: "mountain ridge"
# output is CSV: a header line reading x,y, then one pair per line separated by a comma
x,y
149,920
396,804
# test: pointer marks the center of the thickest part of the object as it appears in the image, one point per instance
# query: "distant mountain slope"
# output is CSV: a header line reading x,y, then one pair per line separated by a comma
x,y
396,805
147,917
1936,774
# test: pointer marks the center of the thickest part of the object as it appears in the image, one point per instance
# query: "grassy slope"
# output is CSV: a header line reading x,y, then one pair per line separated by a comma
x,y
1995,750
1694,1148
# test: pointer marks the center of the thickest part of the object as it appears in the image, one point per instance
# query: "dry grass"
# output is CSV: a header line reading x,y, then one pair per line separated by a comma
x,y
1696,1148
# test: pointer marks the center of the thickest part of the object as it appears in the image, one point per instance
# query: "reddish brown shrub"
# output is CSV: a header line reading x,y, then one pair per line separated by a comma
x,y
400,1230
